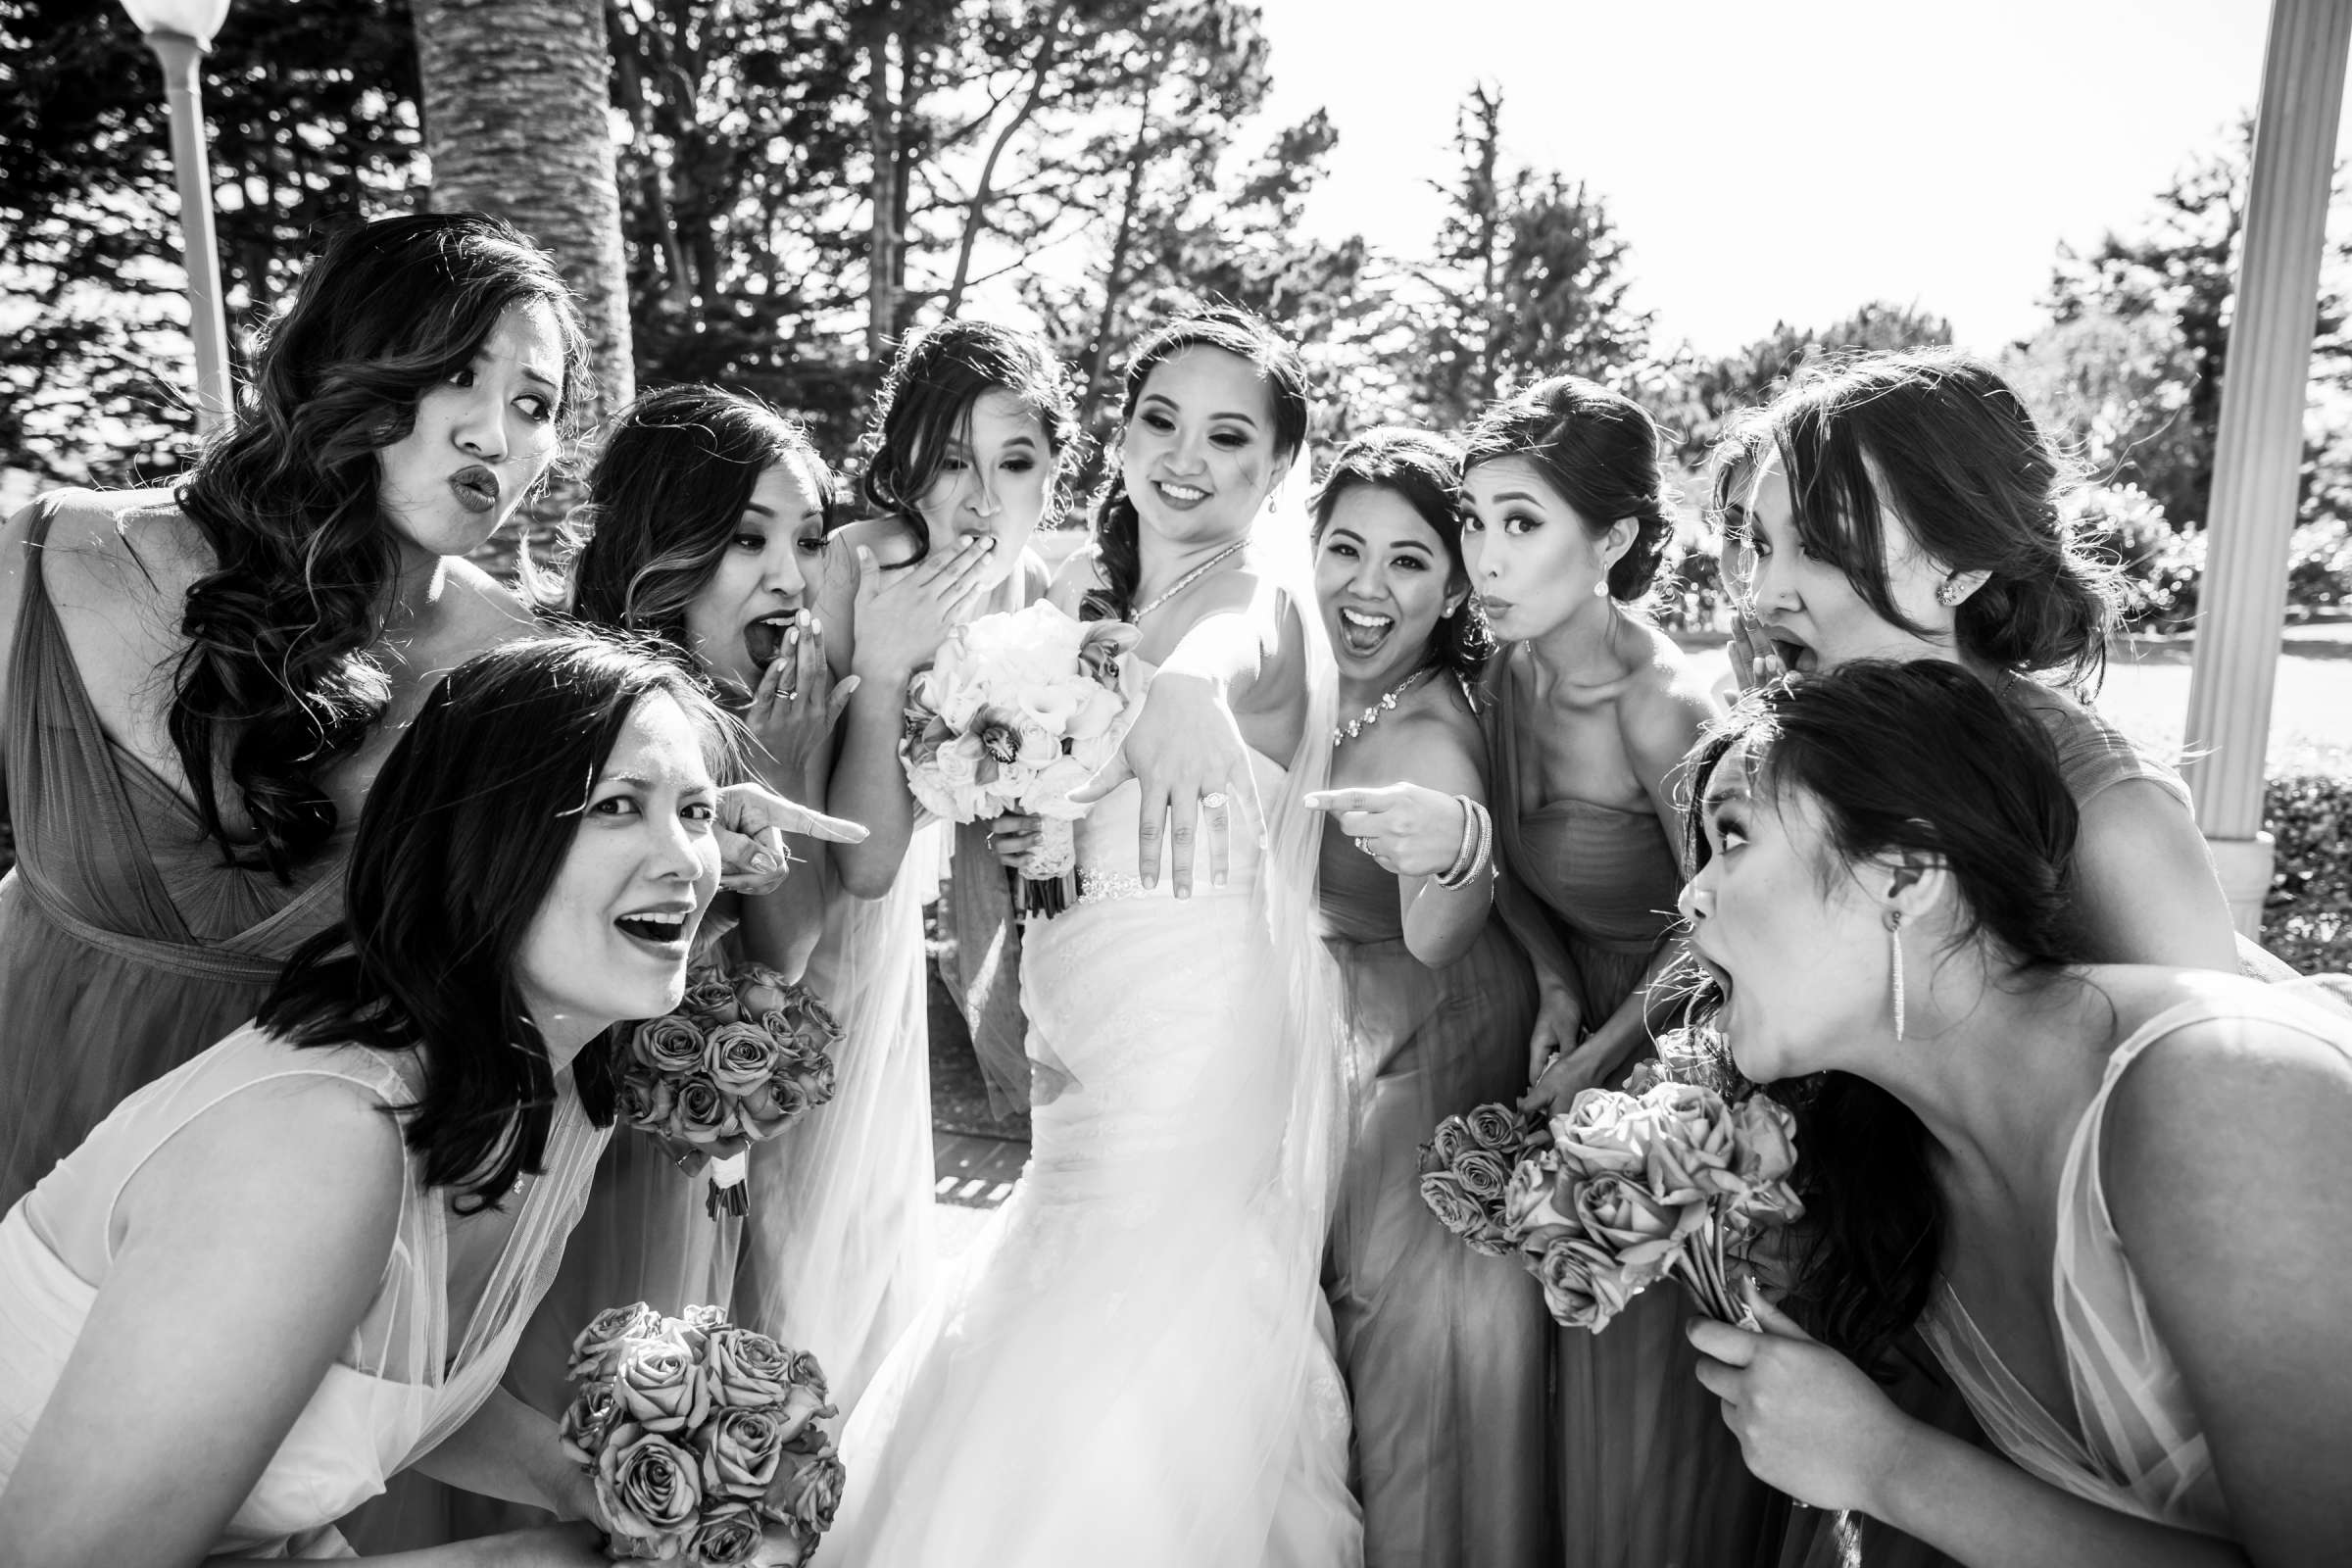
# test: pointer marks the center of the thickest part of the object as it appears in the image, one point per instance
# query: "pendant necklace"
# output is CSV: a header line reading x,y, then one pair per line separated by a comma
x,y
1371,715
1189,578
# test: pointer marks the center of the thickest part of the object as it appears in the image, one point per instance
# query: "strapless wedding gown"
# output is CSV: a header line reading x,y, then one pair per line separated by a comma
x,y
1133,1364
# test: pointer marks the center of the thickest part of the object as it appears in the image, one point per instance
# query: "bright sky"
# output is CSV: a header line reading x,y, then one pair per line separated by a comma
x,y
1791,159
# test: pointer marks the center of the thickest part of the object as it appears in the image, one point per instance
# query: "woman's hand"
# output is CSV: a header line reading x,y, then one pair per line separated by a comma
x,y
1563,1077
1809,1421
1559,1020
577,1544
753,820
1186,751
1410,830
905,615
1012,836
1755,660
794,712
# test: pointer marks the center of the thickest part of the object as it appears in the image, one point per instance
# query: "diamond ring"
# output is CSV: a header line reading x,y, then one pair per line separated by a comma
x,y
1361,844
1214,800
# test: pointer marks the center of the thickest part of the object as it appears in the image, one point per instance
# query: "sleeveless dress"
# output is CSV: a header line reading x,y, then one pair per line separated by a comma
x,y
1132,1365
2128,1439
127,947
1443,1350
401,1386
1648,1475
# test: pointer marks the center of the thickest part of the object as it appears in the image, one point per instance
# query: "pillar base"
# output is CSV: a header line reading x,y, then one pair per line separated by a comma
x,y
2245,866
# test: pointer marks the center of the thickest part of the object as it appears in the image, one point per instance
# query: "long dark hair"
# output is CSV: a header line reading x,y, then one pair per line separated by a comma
x,y
1917,758
278,631
464,833
1118,543
1937,437
1424,471
1598,450
926,401
670,484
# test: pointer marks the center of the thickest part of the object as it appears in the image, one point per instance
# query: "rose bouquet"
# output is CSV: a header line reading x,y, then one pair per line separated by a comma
x,y
744,1056
1018,709
1620,1191
702,1438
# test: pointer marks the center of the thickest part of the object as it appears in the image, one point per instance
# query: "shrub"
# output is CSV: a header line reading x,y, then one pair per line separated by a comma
x,y
2162,566
2319,572
2307,919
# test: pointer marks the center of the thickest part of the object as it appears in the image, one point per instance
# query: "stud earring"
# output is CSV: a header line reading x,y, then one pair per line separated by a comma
x,y
1894,944
1948,592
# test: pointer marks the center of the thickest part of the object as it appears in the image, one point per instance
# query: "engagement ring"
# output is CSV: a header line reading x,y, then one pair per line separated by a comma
x,y
1214,800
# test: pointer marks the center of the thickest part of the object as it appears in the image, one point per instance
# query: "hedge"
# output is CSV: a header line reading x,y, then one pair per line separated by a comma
x,y
2307,919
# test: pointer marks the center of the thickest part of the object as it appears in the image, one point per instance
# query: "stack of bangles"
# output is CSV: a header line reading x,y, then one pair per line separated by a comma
x,y
1477,855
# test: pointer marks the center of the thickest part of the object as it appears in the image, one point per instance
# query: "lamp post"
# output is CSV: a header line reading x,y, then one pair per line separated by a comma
x,y
180,32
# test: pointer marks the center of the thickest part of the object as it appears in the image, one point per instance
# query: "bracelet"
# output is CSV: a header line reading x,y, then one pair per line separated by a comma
x,y
1477,855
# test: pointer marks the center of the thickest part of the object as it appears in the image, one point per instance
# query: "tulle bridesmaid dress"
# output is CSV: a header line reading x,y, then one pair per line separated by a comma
x,y
1443,1350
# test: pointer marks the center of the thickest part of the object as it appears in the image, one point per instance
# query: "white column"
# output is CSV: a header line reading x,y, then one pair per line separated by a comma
x,y
181,56
2260,450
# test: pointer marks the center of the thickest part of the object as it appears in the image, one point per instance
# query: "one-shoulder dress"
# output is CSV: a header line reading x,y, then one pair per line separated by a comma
x,y
1443,1350
126,946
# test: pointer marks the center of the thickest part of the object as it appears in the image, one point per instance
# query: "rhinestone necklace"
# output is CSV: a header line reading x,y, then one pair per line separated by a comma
x,y
1371,715
1189,578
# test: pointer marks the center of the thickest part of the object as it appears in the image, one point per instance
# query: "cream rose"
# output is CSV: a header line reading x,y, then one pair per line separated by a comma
x,y
1601,1129
1450,1140
739,1451
740,1057
712,1002
728,1535
746,1369
1495,1127
703,1113
1484,1174
646,1488
592,1413
596,1350
643,1098
810,1491
760,990
1442,1191
661,1386
1640,1229
668,1044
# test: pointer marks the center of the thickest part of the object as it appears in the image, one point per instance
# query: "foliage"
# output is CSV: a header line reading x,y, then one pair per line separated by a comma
x,y
2307,919
311,112
1696,398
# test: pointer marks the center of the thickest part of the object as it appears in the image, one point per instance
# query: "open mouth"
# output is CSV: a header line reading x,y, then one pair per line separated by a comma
x,y
1361,633
1793,651
664,930
1178,495
475,487
763,639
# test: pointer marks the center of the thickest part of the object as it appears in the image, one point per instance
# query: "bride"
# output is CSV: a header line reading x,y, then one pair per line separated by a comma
x,y
1133,1365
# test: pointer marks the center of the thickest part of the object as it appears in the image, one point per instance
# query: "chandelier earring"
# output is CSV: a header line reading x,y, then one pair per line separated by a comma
x,y
1894,945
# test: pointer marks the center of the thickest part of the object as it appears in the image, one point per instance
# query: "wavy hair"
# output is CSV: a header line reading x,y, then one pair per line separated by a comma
x,y
1598,452
464,832
1937,438
276,661
669,485
1118,541
1424,471
1917,758
926,401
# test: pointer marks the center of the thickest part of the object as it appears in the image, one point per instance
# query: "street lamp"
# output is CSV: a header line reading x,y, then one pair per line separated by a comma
x,y
181,32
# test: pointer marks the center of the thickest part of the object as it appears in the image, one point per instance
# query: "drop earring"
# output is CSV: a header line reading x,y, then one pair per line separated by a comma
x,y
1894,944
1600,589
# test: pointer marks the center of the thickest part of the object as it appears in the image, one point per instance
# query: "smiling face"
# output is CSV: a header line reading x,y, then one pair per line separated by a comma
x,y
1809,607
1533,561
480,441
610,942
1198,453
1783,924
735,623
1383,580
993,481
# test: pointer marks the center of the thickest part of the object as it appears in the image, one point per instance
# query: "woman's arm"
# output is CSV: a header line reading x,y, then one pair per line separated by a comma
x,y
508,1450
252,1243
793,718
2145,883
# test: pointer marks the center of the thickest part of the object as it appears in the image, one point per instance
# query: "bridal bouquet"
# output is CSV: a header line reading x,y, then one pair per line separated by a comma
x,y
702,1438
1017,710
1620,1191
744,1056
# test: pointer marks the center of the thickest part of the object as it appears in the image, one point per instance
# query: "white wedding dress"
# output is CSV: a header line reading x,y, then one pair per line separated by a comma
x,y
1133,1367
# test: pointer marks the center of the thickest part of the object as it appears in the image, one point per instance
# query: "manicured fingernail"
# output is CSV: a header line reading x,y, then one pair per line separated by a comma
x,y
792,634
1150,881
1217,881
761,861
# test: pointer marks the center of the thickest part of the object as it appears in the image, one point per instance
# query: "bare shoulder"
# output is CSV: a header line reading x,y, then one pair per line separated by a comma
x,y
1079,574
480,612
108,548
1434,742
1665,704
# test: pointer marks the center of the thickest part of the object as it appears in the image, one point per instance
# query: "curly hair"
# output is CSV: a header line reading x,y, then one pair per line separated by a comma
x,y
1118,540
1598,450
465,833
926,404
677,471
1939,439
278,660
1424,471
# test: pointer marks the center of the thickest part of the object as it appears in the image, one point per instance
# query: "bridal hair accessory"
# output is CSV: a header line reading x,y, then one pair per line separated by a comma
x,y
1371,714
703,1440
744,1056
1191,577
1016,711
1622,1190
1477,853
1894,943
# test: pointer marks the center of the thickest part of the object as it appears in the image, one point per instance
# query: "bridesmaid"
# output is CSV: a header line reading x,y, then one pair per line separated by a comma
x,y
707,515
969,446
1442,1349
1996,1140
305,1292
196,686
1592,711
